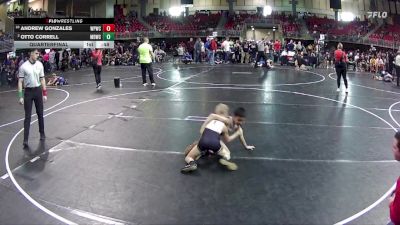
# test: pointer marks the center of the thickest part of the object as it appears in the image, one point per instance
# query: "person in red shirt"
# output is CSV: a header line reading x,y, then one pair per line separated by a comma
x,y
394,200
341,66
277,50
97,62
213,50
277,46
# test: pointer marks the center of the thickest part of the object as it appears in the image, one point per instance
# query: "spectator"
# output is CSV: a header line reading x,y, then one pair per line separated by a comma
x,y
197,51
397,66
227,49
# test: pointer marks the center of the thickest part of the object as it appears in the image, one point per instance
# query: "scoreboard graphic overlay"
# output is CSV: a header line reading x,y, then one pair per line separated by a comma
x,y
64,33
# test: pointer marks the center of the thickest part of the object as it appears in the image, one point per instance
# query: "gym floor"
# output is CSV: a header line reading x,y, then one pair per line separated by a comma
x,y
114,156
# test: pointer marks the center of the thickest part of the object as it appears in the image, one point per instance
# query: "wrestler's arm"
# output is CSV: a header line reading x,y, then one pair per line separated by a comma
x,y
226,136
243,141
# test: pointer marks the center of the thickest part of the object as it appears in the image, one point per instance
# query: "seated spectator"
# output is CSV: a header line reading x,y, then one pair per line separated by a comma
x,y
55,80
159,54
187,58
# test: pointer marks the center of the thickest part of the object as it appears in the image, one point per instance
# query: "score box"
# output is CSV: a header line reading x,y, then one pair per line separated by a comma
x,y
108,28
108,36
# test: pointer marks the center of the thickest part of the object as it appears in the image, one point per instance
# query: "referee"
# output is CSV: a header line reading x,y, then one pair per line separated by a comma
x,y
31,77
146,57
397,66
260,52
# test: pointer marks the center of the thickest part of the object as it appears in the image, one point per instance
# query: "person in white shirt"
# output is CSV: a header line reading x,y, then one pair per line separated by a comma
x,y
381,64
397,65
31,76
160,54
227,49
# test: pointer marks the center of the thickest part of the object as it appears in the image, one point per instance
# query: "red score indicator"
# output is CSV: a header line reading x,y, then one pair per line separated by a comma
x,y
108,27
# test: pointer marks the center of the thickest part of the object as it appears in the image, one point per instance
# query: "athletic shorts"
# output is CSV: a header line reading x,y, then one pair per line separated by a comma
x,y
209,141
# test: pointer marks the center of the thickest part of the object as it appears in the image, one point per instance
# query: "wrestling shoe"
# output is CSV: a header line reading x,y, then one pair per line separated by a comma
x,y
192,166
229,165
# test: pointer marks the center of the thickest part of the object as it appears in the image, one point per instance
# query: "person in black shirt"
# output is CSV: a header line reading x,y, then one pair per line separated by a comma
x,y
246,52
290,46
391,62
57,59
253,51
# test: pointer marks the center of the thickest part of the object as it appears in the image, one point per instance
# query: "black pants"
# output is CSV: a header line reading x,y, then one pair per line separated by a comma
x,y
259,56
97,72
149,68
33,95
397,73
341,72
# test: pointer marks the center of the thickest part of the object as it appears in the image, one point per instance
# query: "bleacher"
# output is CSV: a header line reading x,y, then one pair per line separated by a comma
x,y
198,21
127,23
338,28
387,33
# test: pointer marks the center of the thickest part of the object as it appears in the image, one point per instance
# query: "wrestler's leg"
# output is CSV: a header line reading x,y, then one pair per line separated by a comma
x,y
193,155
226,156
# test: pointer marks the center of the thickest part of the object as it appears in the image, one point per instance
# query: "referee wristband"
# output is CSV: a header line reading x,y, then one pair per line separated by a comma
x,y
44,92
20,94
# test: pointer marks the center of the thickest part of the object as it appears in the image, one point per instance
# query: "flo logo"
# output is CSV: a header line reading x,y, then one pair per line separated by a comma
x,y
379,15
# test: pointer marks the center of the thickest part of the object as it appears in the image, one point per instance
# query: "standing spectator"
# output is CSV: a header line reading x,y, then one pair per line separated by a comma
x,y
214,47
245,52
299,47
97,60
203,51
277,50
397,66
290,46
267,51
46,64
52,59
253,51
390,62
31,76
57,59
145,59
340,66
197,51
190,47
227,49
238,51
207,47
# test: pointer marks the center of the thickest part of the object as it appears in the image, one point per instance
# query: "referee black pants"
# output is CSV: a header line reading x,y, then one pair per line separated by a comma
x,y
341,72
397,73
97,73
147,67
33,95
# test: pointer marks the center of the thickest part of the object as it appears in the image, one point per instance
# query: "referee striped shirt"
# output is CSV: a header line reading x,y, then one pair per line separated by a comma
x,y
31,73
